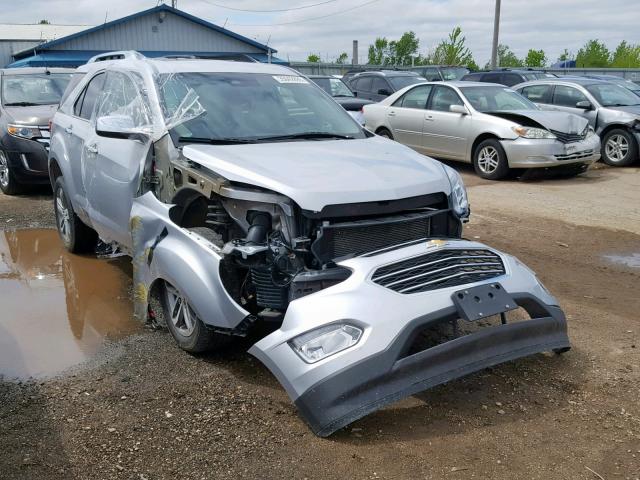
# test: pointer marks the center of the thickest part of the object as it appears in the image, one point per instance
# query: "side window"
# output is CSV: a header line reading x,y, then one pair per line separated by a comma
x,y
379,84
537,93
75,80
492,77
443,98
415,98
89,97
364,84
121,98
567,96
511,79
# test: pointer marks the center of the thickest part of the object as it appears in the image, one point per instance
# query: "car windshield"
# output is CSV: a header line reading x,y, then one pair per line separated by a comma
x,y
34,89
611,95
494,98
453,73
242,107
626,83
400,82
333,86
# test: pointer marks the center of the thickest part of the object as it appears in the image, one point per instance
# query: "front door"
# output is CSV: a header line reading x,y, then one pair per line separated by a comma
x,y
445,132
115,162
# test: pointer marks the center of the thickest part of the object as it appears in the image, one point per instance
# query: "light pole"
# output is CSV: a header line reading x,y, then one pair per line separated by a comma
x,y
496,29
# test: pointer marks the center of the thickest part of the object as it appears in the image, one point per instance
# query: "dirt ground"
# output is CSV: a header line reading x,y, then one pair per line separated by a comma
x,y
147,410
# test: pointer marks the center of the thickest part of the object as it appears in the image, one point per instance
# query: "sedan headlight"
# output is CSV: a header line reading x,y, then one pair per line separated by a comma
x,y
325,341
459,199
23,131
533,132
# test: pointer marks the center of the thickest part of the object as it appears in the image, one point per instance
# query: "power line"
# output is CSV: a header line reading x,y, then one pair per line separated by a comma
x,y
302,7
306,19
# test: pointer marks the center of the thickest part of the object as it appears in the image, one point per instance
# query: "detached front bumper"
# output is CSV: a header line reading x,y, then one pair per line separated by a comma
x,y
538,153
382,367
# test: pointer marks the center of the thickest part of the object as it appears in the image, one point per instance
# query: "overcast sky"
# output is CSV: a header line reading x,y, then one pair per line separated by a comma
x,y
548,24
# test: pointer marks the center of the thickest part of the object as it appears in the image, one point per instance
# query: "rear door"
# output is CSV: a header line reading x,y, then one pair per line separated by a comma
x,y
115,162
445,133
407,116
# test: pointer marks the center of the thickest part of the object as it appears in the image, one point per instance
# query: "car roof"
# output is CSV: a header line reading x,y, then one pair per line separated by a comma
x,y
582,81
389,73
32,70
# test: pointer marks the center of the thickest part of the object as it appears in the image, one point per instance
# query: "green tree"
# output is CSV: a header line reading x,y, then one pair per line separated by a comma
x,y
313,58
535,58
565,55
626,56
44,22
594,54
402,51
472,65
453,50
378,51
506,57
342,58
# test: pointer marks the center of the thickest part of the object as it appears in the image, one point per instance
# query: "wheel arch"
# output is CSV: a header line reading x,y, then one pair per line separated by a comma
x,y
478,140
616,126
54,171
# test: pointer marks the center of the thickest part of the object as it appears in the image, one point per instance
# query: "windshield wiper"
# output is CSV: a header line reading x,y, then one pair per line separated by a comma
x,y
22,104
307,136
215,141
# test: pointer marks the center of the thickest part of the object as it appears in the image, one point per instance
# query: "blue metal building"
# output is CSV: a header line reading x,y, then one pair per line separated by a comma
x,y
159,31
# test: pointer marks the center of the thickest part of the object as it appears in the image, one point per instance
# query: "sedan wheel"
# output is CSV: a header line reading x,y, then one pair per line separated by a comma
x,y
488,160
619,148
8,184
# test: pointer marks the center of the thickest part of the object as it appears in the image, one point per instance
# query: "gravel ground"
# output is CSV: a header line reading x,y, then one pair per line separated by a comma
x,y
146,410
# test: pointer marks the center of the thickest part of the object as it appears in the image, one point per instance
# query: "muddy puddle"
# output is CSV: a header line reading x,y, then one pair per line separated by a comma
x,y
57,309
632,260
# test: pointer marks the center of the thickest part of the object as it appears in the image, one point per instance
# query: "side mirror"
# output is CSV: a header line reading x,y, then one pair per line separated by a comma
x,y
584,105
117,126
384,91
461,109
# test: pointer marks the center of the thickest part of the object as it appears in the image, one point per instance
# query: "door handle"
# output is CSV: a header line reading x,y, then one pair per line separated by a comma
x,y
392,114
428,118
68,129
93,148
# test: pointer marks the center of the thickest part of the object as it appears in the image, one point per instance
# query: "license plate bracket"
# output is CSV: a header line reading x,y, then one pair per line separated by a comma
x,y
483,301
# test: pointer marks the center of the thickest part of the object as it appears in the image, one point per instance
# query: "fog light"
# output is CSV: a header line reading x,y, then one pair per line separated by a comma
x,y
323,342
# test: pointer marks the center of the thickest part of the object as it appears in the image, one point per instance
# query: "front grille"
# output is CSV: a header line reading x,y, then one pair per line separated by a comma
x,y
364,236
440,269
575,156
569,137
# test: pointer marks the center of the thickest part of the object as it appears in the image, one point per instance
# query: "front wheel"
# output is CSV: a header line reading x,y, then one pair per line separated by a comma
x,y
383,132
490,160
619,148
8,183
186,328
75,235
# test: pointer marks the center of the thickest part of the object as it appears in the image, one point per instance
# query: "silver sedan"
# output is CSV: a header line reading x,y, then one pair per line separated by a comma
x,y
489,125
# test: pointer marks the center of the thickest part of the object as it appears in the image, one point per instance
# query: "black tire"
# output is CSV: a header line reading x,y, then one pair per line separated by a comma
x,y
192,336
613,148
75,235
8,183
383,132
494,167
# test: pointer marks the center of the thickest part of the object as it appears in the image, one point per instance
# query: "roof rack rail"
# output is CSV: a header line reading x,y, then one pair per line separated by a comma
x,y
119,55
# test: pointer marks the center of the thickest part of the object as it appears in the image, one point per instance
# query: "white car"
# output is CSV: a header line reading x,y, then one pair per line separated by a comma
x,y
489,125
251,202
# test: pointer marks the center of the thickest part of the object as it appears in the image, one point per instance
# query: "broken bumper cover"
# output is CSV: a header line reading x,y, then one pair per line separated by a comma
x,y
380,369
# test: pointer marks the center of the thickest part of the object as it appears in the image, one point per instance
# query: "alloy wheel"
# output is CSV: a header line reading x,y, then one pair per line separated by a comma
x,y
4,170
63,216
488,159
183,318
617,148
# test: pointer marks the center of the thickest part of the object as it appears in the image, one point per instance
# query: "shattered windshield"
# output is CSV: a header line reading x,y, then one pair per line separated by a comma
x,y
241,107
492,99
34,89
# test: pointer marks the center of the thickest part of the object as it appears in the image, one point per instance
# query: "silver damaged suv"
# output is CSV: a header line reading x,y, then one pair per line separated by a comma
x,y
251,202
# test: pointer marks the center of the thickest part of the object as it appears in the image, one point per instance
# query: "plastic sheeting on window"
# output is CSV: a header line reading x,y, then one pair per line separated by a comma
x,y
180,103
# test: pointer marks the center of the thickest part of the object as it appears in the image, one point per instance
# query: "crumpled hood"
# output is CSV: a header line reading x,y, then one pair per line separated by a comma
x,y
326,172
551,120
34,115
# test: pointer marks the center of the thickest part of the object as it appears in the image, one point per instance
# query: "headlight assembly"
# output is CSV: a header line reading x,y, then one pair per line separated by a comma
x,y
533,132
23,131
459,199
325,341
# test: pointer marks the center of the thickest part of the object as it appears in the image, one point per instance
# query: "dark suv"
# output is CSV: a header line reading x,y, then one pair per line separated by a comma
x,y
29,98
379,85
506,76
441,73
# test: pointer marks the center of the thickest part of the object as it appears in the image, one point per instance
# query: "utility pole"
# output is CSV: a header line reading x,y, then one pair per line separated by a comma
x,y
496,29
174,3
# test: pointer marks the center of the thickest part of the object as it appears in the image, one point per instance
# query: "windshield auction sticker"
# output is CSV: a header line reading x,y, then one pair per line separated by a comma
x,y
289,79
